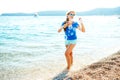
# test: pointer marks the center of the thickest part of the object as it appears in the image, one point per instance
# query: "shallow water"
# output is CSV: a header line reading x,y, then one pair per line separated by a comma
x,y
31,48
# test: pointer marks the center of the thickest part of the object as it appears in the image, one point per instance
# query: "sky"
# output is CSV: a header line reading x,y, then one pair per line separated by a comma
x,y
27,6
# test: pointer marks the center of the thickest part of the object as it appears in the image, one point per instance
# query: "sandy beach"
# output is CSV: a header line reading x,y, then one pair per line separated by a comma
x,y
105,69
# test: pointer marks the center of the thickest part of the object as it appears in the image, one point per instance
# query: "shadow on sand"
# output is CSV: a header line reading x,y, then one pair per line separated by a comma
x,y
62,75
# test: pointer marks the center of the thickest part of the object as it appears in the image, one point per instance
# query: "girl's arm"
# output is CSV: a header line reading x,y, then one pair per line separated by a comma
x,y
81,27
62,27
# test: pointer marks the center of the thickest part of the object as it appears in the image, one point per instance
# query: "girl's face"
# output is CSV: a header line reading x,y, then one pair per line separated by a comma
x,y
71,15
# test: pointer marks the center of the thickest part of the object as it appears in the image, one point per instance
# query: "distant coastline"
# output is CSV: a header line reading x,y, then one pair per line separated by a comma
x,y
98,11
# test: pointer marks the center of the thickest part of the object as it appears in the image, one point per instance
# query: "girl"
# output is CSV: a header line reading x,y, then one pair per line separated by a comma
x,y
69,26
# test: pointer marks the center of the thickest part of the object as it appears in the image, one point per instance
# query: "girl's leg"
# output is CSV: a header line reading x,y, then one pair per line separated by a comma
x,y
71,55
68,56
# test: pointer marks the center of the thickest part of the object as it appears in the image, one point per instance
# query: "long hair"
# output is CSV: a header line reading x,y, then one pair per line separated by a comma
x,y
67,19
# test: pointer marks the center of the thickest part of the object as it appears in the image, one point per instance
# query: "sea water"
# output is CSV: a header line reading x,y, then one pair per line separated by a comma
x,y
32,49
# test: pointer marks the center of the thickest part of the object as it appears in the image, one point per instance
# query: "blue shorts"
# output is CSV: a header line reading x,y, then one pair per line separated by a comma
x,y
68,42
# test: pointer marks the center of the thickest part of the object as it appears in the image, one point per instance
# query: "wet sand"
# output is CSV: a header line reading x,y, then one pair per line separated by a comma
x,y
105,69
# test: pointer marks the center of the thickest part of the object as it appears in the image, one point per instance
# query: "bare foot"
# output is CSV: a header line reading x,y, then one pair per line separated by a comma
x,y
68,68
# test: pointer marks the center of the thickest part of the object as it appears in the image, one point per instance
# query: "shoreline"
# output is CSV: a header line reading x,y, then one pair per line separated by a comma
x,y
107,68
84,68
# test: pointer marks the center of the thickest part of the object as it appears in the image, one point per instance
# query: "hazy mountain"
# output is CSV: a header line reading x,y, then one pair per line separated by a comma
x,y
17,14
102,11
52,13
98,11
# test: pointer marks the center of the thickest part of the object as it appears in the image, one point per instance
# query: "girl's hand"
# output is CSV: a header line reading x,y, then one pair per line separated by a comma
x,y
80,20
69,23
